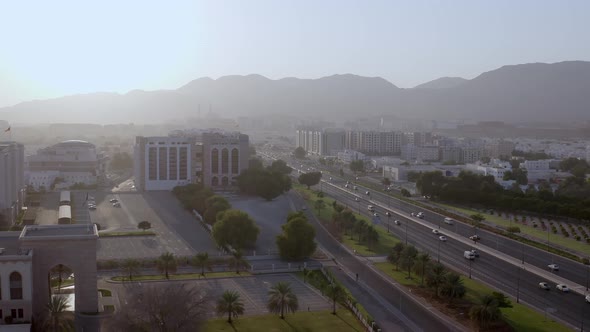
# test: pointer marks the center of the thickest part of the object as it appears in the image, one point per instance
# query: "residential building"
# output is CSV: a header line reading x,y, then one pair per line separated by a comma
x,y
347,156
326,142
500,148
409,152
65,164
471,154
428,153
451,154
12,184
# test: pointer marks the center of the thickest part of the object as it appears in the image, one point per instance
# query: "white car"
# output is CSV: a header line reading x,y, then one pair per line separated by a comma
x,y
553,267
449,221
91,207
435,231
420,215
367,193
544,285
117,204
475,252
376,215
442,238
356,199
397,222
562,288
113,200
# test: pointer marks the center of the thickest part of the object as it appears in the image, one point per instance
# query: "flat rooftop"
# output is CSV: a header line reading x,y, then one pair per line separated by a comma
x,y
9,242
57,232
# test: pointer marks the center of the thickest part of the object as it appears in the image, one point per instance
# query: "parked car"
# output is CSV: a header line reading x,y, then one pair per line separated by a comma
x,y
544,285
562,288
442,238
553,267
376,215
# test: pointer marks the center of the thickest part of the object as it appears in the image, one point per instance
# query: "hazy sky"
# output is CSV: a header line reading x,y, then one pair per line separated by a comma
x,y
54,48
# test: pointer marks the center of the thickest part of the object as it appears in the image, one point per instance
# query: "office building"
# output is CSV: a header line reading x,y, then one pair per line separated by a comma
x,y
225,156
12,184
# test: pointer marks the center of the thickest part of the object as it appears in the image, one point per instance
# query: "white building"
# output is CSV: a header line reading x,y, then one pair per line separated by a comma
x,y
225,156
66,164
15,279
12,185
326,142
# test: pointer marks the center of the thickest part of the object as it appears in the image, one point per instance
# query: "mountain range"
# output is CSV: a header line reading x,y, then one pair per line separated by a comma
x,y
558,92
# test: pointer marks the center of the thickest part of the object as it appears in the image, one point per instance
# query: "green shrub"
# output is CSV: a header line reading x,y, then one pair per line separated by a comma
x,y
513,229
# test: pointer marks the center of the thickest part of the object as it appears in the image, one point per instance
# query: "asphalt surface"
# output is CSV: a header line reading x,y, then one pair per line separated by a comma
x,y
419,315
569,308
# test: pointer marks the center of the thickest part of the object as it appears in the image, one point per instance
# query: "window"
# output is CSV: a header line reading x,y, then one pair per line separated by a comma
x,y
13,313
21,313
16,286
224,161
215,161
235,161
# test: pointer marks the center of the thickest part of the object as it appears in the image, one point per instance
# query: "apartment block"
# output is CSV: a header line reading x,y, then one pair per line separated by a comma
x,y
12,184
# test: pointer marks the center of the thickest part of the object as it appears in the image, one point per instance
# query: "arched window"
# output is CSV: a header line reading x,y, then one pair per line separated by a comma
x,y
214,181
235,161
214,161
224,181
224,161
16,286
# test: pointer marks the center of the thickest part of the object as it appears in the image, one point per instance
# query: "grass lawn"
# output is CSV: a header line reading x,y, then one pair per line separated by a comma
x,y
105,293
520,317
132,233
343,321
537,233
183,276
386,241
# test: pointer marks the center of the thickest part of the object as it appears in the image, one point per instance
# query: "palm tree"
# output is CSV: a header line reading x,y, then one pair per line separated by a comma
x,y
230,304
61,271
281,298
202,261
131,267
485,312
394,256
336,294
453,287
423,259
238,261
435,277
319,205
166,263
408,255
56,318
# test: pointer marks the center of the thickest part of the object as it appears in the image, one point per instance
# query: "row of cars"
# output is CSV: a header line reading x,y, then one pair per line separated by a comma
x,y
91,203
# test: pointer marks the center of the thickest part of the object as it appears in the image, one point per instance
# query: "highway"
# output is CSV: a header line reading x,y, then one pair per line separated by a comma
x,y
503,276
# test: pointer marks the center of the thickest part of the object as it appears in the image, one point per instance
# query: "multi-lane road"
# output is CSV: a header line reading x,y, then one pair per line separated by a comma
x,y
515,280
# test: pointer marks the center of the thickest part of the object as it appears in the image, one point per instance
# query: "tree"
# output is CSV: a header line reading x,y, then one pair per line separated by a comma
x,y
319,205
202,261
131,267
56,317
357,166
336,293
281,298
310,179
231,304
408,256
297,241
144,225
214,205
161,307
237,261
386,181
280,166
395,255
436,277
255,163
372,236
485,312
453,287
266,183
236,229
423,260
60,272
299,153
503,301
166,263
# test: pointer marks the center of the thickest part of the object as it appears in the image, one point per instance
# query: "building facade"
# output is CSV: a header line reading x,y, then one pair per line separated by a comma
x,y
225,156
12,184
326,142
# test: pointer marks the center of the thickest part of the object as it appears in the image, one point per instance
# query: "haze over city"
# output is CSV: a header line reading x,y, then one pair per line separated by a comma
x,y
341,166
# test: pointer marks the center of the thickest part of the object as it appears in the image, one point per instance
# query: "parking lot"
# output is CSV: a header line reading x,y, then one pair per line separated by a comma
x,y
253,291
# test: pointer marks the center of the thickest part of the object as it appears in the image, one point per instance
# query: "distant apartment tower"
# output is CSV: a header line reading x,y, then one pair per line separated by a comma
x,y
225,156
374,142
471,154
451,154
500,148
428,153
417,138
320,142
162,163
12,184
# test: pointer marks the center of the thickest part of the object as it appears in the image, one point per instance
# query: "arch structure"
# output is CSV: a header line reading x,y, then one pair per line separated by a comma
x,y
70,245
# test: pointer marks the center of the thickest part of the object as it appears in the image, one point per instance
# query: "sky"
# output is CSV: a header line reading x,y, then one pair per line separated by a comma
x,y
54,48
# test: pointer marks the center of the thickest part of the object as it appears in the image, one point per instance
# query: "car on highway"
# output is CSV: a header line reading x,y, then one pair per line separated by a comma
x,y
442,238
563,288
449,221
435,231
420,215
92,207
113,200
367,193
475,237
397,222
376,215
117,204
356,199
544,285
553,267
346,185
355,188
388,214
475,252
371,208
